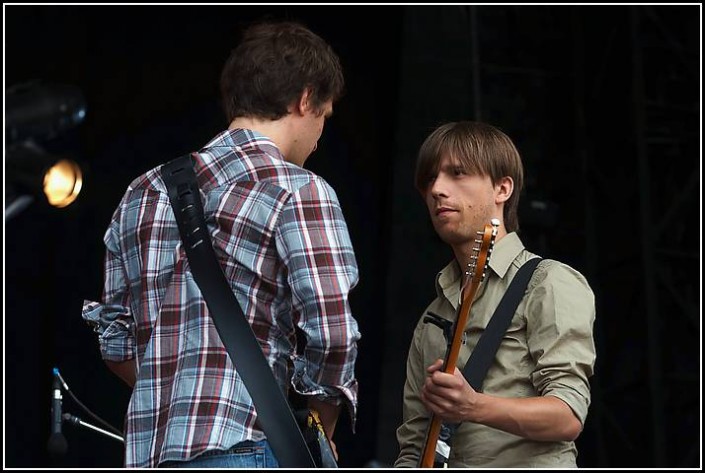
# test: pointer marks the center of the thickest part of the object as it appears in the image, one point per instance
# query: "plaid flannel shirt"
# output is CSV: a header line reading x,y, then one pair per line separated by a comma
x,y
281,238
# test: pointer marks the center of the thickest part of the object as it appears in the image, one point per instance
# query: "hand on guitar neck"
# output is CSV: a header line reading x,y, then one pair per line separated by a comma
x,y
475,275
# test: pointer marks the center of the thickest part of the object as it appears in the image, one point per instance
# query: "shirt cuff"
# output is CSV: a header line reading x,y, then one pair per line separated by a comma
x,y
114,327
577,402
345,393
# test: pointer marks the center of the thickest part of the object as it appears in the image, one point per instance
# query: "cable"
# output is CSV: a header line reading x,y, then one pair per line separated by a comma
x,y
82,406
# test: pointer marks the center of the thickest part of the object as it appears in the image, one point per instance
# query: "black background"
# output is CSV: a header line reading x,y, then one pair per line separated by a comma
x,y
604,111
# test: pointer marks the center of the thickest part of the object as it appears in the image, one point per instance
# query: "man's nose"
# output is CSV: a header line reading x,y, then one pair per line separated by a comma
x,y
438,188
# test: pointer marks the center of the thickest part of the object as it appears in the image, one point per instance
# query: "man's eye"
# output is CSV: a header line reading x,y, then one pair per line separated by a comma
x,y
458,171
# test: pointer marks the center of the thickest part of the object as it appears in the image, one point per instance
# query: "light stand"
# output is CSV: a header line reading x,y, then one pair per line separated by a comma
x,y
15,205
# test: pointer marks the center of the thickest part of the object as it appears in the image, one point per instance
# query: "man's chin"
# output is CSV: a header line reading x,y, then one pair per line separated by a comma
x,y
447,237
451,237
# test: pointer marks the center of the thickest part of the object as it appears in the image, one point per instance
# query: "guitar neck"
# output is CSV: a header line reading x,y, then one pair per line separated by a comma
x,y
451,359
428,455
475,276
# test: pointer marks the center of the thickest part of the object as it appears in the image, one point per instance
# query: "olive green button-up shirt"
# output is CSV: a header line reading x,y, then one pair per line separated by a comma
x,y
548,349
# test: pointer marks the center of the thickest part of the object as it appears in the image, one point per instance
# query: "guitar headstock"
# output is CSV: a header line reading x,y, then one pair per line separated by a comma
x,y
482,250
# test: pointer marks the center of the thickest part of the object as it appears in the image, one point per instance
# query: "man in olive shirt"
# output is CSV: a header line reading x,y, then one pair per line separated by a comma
x,y
536,394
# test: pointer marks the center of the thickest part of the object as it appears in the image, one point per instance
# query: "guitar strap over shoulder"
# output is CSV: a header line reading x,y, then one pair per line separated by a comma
x,y
482,356
274,414
484,353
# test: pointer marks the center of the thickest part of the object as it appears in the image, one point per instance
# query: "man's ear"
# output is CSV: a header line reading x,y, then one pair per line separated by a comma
x,y
504,189
303,104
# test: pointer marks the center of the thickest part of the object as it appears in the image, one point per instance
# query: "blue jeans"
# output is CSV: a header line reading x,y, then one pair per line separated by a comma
x,y
247,454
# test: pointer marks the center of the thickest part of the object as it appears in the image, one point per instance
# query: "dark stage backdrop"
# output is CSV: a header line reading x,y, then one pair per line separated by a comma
x,y
603,103
150,78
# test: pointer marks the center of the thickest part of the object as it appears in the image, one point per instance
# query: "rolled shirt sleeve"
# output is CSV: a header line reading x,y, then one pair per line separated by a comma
x,y
559,335
112,320
314,243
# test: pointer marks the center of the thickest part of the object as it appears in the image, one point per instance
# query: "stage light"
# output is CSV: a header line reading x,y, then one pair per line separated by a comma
x,y
62,183
39,112
33,174
36,112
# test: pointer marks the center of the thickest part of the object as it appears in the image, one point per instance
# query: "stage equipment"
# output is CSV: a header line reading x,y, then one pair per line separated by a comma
x,y
35,113
57,444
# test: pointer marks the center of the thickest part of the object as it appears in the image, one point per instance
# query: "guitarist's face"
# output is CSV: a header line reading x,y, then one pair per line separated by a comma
x,y
460,204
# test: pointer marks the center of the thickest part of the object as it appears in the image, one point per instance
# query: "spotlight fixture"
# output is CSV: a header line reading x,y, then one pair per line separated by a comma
x,y
31,173
62,183
36,112
39,112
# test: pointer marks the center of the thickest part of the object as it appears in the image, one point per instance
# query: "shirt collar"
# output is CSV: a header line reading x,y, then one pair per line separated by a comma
x,y
504,253
244,139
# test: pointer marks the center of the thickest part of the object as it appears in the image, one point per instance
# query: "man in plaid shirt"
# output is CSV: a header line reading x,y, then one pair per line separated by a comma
x,y
280,236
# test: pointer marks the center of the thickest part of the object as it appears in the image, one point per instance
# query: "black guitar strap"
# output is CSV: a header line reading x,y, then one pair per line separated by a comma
x,y
484,353
482,356
274,414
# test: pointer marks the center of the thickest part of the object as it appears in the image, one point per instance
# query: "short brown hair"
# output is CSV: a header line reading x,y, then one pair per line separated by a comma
x,y
273,65
478,148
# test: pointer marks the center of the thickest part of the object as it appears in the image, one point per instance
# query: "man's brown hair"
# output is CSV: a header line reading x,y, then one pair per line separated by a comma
x,y
273,65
